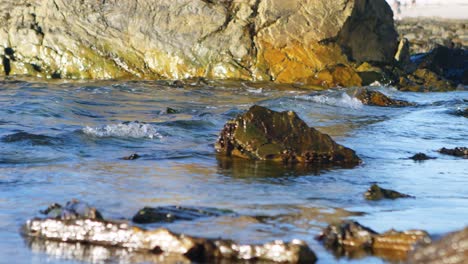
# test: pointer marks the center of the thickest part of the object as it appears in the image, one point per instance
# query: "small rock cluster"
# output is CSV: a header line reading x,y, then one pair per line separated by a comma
x,y
350,238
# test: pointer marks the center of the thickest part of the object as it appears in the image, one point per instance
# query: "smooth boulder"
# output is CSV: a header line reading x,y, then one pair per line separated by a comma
x,y
420,157
264,134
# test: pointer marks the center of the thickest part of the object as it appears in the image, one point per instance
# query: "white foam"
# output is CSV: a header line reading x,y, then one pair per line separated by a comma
x,y
343,100
376,84
128,130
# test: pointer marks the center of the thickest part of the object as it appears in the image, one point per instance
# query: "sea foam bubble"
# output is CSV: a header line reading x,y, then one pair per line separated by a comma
x,y
127,129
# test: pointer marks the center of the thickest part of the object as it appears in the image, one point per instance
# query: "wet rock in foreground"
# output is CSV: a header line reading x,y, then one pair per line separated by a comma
x,y
452,249
375,193
158,241
351,239
457,152
263,134
170,214
369,97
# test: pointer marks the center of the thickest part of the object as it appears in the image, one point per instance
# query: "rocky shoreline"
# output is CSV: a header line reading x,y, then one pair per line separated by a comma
x,y
343,44
425,34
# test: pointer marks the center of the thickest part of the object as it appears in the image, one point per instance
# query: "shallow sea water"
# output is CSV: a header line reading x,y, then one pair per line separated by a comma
x,y
64,140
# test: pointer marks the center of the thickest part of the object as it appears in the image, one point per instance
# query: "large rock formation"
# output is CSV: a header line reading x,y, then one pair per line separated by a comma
x,y
283,41
263,134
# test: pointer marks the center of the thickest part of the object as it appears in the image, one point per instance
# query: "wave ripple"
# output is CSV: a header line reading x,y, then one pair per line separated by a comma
x,y
341,100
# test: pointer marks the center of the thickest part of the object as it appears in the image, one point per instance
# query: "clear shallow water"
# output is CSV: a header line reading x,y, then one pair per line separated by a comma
x,y
60,141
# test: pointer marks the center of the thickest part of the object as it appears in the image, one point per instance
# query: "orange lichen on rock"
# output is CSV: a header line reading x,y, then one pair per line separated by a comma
x,y
315,64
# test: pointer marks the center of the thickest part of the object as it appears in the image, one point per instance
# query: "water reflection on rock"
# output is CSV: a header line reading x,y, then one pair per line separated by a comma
x,y
162,241
242,168
97,254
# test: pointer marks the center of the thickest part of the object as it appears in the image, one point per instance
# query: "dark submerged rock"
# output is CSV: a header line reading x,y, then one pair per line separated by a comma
x,y
462,112
134,156
457,152
158,241
351,239
452,248
170,110
263,134
175,213
375,98
375,193
420,157
34,139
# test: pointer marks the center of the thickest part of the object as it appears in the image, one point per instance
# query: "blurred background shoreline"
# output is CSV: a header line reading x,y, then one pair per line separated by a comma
x,y
446,9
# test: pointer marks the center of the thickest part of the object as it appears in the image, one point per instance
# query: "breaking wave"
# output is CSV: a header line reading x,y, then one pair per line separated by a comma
x,y
127,129
342,100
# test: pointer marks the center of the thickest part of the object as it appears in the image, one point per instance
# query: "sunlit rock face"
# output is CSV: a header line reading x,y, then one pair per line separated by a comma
x,y
283,41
